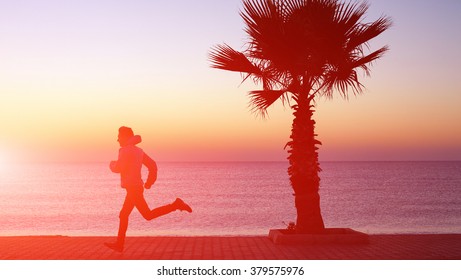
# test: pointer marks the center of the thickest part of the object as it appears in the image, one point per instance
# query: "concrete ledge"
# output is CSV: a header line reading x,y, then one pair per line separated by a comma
x,y
328,236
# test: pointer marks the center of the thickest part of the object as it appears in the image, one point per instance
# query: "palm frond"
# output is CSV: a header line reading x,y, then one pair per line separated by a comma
x,y
342,79
365,32
261,100
368,59
226,58
258,8
286,8
348,15
254,13
264,26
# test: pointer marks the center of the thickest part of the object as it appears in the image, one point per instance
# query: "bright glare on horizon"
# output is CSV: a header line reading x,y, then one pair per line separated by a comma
x,y
72,72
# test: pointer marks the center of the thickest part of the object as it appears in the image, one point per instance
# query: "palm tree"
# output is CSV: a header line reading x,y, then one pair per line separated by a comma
x,y
299,50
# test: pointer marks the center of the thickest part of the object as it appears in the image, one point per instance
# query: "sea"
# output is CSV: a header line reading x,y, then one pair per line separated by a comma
x,y
230,198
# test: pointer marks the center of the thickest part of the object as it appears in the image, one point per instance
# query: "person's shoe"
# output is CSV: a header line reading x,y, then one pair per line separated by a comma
x,y
114,246
181,205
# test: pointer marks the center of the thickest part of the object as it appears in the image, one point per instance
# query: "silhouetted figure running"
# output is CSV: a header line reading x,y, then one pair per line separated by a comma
x,y
129,164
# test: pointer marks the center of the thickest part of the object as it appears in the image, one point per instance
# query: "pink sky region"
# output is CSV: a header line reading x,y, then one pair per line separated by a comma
x,y
72,72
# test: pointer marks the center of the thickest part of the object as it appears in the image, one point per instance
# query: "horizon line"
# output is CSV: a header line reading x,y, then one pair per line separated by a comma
x,y
238,161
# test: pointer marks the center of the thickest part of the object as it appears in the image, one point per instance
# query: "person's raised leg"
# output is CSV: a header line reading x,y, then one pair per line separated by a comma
x,y
148,214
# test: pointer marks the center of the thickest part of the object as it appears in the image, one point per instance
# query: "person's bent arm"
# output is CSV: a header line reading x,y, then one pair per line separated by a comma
x,y
152,167
118,165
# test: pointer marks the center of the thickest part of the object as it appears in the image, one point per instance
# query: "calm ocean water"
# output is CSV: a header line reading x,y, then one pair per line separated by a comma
x,y
231,198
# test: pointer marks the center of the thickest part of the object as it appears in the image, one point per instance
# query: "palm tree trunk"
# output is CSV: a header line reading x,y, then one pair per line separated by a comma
x,y
304,168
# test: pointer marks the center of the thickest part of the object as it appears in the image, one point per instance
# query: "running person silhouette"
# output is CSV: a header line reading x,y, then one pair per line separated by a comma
x,y
129,164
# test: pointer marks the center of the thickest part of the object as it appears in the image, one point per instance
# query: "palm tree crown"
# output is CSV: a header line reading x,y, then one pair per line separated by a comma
x,y
302,46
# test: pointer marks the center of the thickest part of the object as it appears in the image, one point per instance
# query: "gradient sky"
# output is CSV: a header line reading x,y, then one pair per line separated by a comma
x,y
72,72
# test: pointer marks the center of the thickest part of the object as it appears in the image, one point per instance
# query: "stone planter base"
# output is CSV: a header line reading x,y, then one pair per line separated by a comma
x,y
328,236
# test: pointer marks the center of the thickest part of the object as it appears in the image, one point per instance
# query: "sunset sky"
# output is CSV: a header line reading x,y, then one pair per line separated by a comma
x,y
72,72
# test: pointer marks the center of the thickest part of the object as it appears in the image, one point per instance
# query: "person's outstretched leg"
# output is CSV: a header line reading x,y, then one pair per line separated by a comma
x,y
148,214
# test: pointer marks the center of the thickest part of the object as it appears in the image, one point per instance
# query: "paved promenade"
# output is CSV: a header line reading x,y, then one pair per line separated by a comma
x,y
387,247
